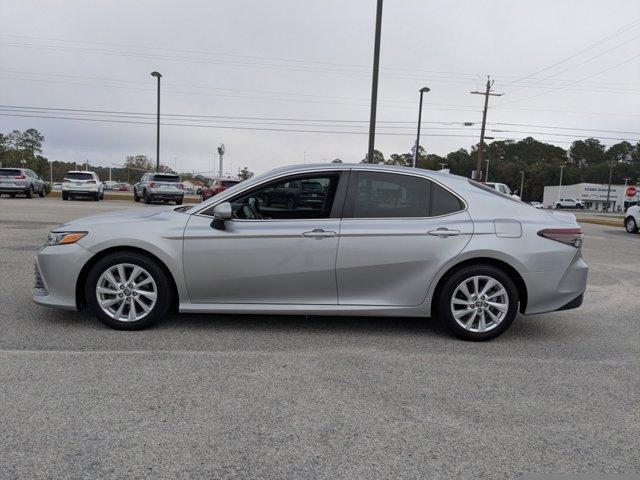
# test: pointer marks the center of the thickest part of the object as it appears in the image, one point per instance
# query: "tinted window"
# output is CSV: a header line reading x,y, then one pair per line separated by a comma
x,y
384,195
289,199
79,176
10,172
167,178
443,202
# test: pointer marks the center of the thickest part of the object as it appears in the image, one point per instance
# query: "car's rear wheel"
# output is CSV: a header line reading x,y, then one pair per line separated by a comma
x,y
29,192
136,198
179,201
65,196
630,225
128,291
478,302
41,193
146,198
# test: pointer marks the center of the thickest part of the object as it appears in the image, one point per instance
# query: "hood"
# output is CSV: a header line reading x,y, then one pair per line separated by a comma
x,y
133,215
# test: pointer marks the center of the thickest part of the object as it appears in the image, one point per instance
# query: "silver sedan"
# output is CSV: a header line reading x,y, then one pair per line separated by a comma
x,y
339,240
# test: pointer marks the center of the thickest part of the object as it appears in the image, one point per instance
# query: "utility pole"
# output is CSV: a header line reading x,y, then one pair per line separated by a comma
x,y
50,171
560,183
487,93
521,183
374,83
609,186
486,175
158,76
423,90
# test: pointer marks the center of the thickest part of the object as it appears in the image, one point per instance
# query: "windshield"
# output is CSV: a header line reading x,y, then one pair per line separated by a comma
x,y
79,176
167,178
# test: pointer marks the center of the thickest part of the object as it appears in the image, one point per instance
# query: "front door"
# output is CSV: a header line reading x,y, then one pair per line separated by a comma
x,y
399,230
269,252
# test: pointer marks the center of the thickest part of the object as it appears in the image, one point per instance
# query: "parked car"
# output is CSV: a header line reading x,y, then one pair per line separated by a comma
x,y
632,219
537,205
217,186
159,186
57,186
568,203
384,241
23,181
82,183
110,185
124,187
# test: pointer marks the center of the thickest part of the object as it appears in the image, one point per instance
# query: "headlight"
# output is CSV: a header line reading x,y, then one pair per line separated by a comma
x,y
64,238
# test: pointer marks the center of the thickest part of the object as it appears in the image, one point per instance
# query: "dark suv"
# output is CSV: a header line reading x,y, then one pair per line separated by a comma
x,y
297,193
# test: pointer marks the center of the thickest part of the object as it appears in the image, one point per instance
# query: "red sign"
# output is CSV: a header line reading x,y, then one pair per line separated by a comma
x,y
631,191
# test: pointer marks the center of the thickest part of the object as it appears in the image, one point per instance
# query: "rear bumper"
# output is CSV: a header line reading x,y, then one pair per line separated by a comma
x,y
166,195
14,189
556,290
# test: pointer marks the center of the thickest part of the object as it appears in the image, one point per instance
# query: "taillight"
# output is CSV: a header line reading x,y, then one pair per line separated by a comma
x,y
91,181
65,180
568,236
20,177
152,185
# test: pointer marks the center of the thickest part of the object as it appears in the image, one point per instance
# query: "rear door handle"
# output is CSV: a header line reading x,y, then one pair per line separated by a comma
x,y
444,232
319,233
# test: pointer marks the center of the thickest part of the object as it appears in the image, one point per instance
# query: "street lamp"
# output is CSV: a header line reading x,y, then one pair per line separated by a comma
x,y
158,76
423,90
560,183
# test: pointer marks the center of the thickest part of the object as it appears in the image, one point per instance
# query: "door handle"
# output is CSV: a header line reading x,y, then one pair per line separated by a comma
x,y
443,232
319,233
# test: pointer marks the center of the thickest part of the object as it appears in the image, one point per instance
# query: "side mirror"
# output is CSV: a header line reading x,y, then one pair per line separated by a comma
x,y
221,213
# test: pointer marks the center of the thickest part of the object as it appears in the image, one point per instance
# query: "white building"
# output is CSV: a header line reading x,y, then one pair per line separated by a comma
x,y
593,195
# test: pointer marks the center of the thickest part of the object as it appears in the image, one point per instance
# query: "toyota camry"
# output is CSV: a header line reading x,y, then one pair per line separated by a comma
x,y
367,240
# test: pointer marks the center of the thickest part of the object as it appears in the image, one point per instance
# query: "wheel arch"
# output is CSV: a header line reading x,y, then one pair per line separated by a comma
x,y
84,272
511,271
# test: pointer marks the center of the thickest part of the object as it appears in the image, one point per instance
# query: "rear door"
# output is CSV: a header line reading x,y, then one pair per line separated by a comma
x,y
398,231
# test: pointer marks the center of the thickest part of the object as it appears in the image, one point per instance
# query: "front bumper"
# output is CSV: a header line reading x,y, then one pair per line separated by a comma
x,y
57,270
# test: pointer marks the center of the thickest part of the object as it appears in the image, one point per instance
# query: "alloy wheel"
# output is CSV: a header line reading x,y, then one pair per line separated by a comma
x,y
126,292
479,304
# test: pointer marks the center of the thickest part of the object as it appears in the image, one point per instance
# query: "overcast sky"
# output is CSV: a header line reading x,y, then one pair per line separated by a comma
x,y
307,64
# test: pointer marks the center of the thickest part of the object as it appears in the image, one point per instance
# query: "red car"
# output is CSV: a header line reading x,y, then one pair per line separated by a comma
x,y
217,186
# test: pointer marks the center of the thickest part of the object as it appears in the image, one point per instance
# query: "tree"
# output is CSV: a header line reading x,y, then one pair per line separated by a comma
x,y
244,173
31,141
139,162
583,153
378,157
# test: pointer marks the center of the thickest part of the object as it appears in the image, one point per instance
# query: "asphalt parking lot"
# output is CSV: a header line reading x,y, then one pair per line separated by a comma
x,y
295,397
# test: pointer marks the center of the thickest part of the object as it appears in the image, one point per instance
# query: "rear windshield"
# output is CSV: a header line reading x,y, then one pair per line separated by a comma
x,y
229,183
79,176
10,172
167,178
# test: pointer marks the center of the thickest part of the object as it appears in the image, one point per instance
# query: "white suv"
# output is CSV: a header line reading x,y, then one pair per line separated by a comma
x,y
568,203
632,219
502,188
80,183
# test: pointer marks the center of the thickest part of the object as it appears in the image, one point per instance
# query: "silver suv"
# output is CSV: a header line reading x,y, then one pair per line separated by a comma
x,y
159,186
23,181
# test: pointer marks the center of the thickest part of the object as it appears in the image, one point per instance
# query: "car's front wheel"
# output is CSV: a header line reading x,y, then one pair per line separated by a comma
x,y
478,302
630,225
128,291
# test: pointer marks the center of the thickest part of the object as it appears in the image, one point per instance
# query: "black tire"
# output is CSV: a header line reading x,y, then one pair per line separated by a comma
x,y
96,197
443,306
136,198
558,206
146,198
179,201
41,193
29,193
630,225
65,196
102,195
164,293
12,195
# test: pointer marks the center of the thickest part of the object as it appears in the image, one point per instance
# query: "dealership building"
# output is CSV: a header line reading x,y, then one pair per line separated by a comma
x,y
592,195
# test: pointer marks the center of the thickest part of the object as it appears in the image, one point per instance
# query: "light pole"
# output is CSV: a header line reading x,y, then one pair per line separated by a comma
x,y
158,76
560,183
423,90
374,82
521,183
486,175
221,150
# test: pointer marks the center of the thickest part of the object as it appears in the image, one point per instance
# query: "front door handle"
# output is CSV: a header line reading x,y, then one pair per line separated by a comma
x,y
444,232
319,233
